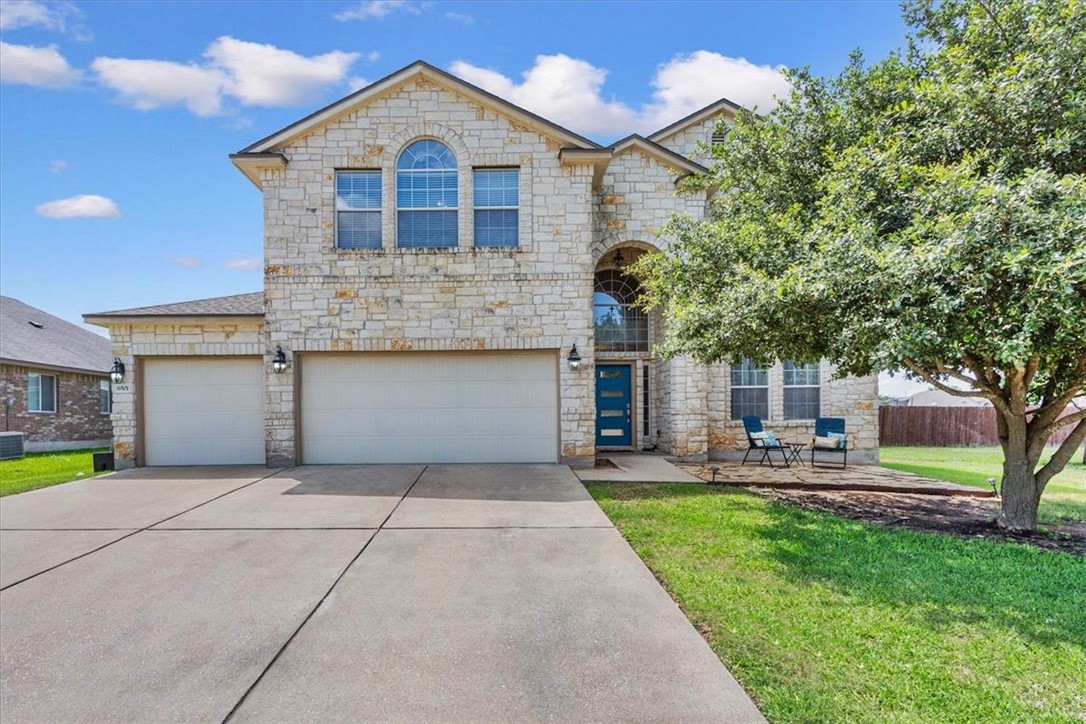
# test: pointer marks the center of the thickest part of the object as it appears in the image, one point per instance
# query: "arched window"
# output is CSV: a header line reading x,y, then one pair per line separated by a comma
x,y
426,196
621,325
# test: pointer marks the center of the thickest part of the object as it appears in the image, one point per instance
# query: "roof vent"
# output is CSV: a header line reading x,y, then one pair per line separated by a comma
x,y
719,138
35,325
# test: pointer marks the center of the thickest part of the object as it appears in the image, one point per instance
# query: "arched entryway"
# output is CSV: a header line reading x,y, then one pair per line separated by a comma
x,y
623,333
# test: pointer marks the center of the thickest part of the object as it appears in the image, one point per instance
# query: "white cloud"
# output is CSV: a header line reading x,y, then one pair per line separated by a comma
x,y
371,57
27,13
375,9
58,166
85,206
38,67
461,18
190,262
569,91
244,263
686,83
563,89
355,83
61,17
263,75
151,84
252,74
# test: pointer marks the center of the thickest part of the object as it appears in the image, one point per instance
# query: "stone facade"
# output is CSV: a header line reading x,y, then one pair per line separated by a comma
x,y
133,343
78,421
572,216
321,298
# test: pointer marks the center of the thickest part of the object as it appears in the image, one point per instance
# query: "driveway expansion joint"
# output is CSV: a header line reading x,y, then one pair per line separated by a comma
x,y
125,537
313,611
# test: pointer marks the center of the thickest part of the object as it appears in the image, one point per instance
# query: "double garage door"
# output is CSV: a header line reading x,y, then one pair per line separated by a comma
x,y
360,408
429,408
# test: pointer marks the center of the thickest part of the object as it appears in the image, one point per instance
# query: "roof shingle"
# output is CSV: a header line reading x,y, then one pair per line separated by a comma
x,y
236,305
32,337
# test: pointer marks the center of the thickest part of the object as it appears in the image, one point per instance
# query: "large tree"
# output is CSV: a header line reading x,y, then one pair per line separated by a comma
x,y
926,212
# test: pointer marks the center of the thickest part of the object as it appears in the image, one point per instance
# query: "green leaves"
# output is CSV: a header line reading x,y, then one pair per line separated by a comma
x,y
928,207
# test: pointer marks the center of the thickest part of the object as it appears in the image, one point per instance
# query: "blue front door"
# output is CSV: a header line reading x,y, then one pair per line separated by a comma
x,y
613,427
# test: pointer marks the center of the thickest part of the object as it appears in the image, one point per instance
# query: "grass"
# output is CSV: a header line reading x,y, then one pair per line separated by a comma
x,y
827,619
40,470
1064,497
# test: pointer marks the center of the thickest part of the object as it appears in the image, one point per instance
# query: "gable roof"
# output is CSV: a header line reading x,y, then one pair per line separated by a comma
x,y
235,305
702,114
31,337
660,153
417,69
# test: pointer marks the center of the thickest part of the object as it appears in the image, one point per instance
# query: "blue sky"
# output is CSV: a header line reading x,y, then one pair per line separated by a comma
x,y
116,118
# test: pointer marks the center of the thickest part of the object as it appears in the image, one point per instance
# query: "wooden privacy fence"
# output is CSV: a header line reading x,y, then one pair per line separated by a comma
x,y
944,426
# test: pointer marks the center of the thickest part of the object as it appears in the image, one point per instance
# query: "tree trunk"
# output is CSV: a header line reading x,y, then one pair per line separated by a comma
x,y
1019,489
1020,494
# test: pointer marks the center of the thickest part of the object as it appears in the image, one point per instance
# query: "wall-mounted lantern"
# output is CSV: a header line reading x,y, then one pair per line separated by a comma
x,y
117,373
279,361
574,358
619,259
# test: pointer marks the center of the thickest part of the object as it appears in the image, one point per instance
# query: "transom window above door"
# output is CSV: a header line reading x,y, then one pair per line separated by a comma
x,y
427,196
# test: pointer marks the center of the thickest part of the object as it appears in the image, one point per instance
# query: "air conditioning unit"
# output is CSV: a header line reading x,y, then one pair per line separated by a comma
x,y
11,445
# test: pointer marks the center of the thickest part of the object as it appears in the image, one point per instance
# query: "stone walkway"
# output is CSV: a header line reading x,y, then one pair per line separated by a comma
x,y
855,477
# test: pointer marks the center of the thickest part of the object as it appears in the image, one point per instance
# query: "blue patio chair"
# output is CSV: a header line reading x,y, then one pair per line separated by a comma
x,y
757,441
830,427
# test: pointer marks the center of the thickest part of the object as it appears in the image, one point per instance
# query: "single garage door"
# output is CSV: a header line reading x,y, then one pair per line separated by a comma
x,y
430,408
203,411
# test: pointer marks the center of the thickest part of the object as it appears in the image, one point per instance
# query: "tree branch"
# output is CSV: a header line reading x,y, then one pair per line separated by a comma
x,y
1068,420
1062,455
998,401
947,371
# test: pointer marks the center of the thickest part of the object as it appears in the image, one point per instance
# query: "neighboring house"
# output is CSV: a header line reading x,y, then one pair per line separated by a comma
x,y
54,380
432,253
938,398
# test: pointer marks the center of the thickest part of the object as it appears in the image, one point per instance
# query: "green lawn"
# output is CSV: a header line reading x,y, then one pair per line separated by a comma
x,y
1064,497
40,470
826,619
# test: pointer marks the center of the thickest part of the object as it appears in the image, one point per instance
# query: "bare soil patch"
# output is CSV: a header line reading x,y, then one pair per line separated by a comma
x,y
963,517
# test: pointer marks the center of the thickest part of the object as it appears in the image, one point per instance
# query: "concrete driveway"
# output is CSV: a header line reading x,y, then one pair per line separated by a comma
x,y
340,593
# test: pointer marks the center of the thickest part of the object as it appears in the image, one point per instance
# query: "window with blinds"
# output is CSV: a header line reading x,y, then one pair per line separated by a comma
x,y
426,196
802,391
497,207
750,390
358,209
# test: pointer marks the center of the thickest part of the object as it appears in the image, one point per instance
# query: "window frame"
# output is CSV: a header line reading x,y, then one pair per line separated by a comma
x,y
476,208
745,365
105,386
39,411
378,211
786,387
455,169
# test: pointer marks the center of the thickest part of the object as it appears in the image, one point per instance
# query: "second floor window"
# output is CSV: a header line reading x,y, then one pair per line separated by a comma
x,y
750,390
497,198
426,196
358,209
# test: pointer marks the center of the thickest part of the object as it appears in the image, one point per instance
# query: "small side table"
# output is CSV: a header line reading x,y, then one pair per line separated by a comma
x,y
795,454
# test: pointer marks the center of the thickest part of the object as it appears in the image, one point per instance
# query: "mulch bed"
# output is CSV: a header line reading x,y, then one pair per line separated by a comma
x,y
965,517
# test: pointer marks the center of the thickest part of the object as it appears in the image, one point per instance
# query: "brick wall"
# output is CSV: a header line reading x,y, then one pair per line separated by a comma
x,y
78,416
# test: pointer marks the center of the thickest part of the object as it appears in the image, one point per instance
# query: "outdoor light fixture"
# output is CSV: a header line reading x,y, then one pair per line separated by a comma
x,y
279,361
620,261
117,373
574,358
715,469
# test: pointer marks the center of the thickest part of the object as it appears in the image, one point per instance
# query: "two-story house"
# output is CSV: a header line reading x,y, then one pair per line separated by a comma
x,y
432,256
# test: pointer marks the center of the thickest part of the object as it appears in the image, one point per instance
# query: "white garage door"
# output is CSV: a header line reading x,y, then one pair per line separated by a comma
x,y
429,408
203,411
